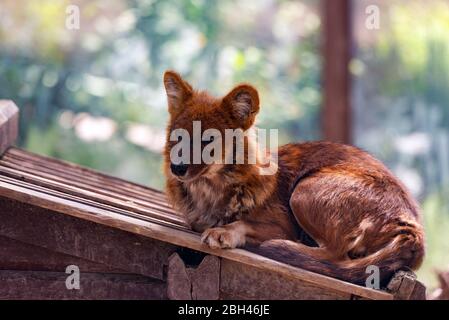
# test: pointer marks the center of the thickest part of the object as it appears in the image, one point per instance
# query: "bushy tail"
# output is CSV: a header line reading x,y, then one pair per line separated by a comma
x,y
404,252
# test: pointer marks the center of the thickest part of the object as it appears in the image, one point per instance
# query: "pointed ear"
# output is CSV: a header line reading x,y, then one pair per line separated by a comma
x,y
177,91
243,101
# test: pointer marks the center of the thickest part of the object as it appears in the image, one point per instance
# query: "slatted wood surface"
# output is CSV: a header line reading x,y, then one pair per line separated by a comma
x,y
83,193
72,182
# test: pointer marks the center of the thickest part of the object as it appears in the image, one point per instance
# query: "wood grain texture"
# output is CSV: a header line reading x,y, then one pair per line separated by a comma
x,y
176,237
73,207
239,281
193,283
9,124
78,182
83,239
419,292
16,255
57,166
179,286
205,279
405,286
45,285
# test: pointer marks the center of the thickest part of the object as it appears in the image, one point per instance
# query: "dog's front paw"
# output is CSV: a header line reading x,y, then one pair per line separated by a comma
x,y
222,238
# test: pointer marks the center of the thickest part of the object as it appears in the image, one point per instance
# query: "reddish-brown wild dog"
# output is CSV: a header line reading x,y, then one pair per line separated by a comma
x,y
330,208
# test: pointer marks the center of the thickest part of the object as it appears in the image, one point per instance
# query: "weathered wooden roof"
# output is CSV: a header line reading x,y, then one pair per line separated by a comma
x,y
79,192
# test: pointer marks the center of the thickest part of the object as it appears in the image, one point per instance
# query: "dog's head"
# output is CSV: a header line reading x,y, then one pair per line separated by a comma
x,y
197,131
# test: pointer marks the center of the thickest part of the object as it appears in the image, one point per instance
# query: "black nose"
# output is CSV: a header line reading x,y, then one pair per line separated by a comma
x,y
178,169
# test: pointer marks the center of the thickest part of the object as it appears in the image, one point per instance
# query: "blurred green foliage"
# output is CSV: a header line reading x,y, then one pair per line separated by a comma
x,y
112,68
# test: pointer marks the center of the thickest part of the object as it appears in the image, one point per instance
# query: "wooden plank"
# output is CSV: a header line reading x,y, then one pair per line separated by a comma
x,y
33,167
78,189
84,239
93,286
179,286
55,175
336,52
81,201
193,283
205,279
419,292
405,286
239,281
93,175
179,238
90,177
16,255
9,124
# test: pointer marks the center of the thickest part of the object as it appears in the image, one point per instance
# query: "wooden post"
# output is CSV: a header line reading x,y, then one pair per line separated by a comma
x,y
200,283
9,124
405,286
336,51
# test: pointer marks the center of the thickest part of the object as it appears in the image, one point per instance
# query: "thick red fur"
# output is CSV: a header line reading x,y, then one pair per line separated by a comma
x,y
330,208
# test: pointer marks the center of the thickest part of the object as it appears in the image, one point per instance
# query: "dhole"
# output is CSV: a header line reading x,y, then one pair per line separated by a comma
x,y
330,208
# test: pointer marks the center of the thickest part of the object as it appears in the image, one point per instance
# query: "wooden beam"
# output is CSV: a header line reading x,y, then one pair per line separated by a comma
x,y
9,124
84,239
87,186
16,255
41,285
193,283
66,207
405,286
239,281
336,53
